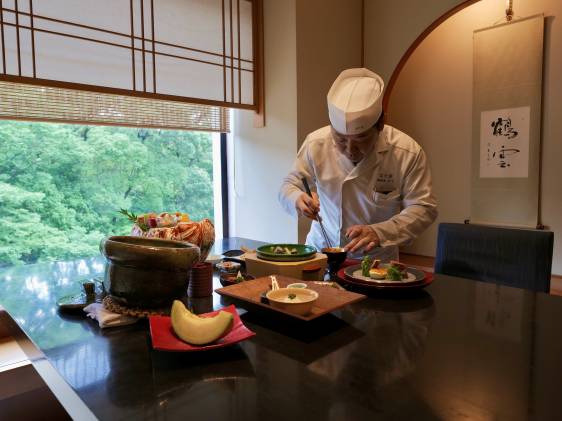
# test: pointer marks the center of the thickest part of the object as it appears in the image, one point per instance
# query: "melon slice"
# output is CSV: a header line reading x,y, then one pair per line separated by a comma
x,y
197,330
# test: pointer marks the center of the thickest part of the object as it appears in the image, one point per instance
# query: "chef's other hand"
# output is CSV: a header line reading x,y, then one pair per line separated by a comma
x,y
362,237
308,206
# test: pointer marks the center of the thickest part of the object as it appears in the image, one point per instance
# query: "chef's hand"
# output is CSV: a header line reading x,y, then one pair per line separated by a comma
x,y
362,237
308,206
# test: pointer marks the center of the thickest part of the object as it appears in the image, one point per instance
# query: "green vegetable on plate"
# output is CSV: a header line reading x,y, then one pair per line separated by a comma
x,y
393,274
366,265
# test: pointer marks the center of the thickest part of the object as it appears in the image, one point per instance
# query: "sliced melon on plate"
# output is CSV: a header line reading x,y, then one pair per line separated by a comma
x,y
197,330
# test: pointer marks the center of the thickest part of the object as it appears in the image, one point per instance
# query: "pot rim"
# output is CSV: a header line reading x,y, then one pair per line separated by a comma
x,y
179,245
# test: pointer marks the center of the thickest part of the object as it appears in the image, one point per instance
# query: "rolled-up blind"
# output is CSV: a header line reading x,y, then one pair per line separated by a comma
x,y
174,51
19,101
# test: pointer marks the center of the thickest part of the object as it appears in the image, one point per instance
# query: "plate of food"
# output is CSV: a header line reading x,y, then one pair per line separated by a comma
x,y
184,331
286,252
374,273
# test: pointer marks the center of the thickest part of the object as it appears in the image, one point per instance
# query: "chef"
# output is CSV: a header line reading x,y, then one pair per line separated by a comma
x,y
373,181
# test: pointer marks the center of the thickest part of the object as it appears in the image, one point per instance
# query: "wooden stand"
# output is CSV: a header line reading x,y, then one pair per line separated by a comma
x,y
258,267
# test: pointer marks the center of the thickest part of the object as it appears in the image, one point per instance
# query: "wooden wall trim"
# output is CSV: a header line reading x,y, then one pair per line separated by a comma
x,y
259,63
415,44
362,33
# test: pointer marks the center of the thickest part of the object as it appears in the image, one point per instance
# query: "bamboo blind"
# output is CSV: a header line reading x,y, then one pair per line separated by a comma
x,y
129,62
20,101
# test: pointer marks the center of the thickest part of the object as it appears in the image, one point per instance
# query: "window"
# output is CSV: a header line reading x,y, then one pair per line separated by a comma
x,y
62,185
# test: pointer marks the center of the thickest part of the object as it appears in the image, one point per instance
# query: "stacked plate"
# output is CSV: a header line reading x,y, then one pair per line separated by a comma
x,y
286,252
414,279
201,280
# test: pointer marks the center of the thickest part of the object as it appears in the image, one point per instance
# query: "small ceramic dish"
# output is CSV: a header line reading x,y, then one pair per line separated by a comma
x,y
228,267
336,257
297,301
297,285
227,279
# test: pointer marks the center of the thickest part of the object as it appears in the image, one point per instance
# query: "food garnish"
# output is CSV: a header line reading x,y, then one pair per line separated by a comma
x,y
239,277
393,273
135,219
284,250
366,265
152,220
292,296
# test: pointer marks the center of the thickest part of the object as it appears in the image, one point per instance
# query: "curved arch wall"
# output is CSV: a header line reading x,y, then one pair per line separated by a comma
x,y
432,101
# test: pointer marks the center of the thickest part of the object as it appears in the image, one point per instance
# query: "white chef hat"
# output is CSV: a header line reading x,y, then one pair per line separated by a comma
x,y
355,101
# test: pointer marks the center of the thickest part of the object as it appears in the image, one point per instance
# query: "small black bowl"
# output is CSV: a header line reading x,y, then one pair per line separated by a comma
x,y
336,257
227,279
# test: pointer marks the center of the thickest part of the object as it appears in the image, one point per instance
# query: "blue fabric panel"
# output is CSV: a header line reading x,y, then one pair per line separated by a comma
x,y
515,257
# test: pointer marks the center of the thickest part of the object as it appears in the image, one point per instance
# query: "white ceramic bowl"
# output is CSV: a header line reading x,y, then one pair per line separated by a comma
x,y
297,285
300,305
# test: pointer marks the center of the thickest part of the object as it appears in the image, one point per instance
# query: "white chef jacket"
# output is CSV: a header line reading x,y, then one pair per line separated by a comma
x,y
389,190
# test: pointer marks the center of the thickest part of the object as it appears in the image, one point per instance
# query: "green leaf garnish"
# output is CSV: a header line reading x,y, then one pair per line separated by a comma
x,y
133,218
394,274
292,296
366,265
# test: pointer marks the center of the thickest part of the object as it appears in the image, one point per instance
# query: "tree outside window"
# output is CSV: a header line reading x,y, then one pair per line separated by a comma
x,y
61,186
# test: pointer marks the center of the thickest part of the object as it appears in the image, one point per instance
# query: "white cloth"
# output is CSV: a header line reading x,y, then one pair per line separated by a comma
x,y
390,189
106,318
355,101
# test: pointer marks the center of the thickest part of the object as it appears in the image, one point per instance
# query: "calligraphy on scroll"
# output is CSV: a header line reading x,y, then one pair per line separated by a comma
x,y
504,143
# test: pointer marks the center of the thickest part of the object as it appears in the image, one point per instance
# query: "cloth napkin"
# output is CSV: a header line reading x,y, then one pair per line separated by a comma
x,y
106,318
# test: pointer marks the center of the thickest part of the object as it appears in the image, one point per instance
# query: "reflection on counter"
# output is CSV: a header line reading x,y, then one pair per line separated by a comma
x,y
384,366
87,365
488,330
43,284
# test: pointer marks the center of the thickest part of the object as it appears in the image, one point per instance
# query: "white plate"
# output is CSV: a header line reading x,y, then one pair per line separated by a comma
x,y
408,279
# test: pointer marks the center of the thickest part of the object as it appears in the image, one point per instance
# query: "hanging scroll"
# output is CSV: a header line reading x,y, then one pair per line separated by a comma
x,y
506,123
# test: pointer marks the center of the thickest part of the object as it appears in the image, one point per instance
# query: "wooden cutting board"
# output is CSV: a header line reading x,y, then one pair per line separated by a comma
x,y
329,298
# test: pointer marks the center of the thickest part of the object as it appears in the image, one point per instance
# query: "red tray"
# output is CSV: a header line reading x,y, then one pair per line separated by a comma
x,y
164,338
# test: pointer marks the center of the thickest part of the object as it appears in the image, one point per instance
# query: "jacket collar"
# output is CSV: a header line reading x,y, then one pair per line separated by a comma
x,y
382,142
372,160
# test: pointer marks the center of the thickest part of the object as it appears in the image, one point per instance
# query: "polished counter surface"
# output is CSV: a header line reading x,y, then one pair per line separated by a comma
x,y
458,350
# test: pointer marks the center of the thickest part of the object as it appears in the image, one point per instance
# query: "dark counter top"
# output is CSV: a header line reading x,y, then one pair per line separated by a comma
x,y
458,350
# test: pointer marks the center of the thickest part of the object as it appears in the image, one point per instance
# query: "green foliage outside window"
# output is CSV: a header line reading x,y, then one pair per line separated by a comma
x,y
61,186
